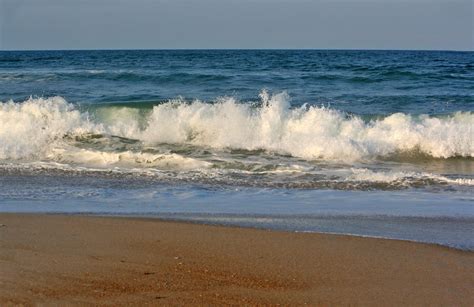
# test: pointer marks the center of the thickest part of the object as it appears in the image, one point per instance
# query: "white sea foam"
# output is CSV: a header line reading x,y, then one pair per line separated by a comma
x,y
307,132
96,158
35,129
30,129
363,174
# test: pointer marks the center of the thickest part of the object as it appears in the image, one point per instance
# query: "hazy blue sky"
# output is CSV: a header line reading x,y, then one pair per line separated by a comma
x,y
133,24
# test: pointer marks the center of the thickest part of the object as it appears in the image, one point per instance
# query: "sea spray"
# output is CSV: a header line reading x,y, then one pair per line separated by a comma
x,y
28,130
32,129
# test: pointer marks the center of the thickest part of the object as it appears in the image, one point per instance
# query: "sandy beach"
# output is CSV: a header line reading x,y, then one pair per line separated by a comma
x,y
53,259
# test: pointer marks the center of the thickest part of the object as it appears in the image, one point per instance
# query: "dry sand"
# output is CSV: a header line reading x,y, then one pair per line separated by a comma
x,y
119,261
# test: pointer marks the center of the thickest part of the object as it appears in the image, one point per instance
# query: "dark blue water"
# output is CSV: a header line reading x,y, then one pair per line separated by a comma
x,y
361,82
377,143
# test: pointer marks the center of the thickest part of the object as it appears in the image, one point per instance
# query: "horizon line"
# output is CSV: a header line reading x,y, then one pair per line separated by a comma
x,y
236,49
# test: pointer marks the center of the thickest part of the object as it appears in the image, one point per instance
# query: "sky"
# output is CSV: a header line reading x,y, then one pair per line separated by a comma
x,y
245,24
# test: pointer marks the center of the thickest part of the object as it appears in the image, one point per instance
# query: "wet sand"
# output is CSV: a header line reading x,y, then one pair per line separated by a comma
x,y
53,259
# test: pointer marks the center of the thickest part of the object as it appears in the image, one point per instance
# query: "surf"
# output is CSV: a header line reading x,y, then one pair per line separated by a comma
x,y
34,128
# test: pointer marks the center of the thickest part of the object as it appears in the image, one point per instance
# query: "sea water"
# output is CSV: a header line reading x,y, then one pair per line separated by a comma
x,y
372,143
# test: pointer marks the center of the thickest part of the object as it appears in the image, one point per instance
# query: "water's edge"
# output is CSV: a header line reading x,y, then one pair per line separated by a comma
x,y
299,224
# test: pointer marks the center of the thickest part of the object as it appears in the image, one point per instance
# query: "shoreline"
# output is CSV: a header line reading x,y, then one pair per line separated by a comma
x,y
83,259
209,219
159,218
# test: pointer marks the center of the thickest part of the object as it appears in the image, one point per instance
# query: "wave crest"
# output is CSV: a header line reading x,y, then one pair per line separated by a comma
x,y
32,129
29,129
308,132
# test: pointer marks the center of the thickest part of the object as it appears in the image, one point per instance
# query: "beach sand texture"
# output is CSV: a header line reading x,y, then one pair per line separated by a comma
x,y
53,259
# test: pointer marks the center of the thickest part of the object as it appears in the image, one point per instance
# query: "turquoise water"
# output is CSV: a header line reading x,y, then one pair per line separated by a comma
x,y
377,143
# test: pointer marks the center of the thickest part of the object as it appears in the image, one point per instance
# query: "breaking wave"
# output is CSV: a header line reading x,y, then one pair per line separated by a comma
x,y
39,128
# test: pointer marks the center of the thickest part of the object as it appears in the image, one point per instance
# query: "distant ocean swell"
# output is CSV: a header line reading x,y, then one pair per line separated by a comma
x,y
118,75
353,75
269,136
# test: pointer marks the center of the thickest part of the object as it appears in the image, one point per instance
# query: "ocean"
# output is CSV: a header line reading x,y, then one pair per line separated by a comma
x,y
369,143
